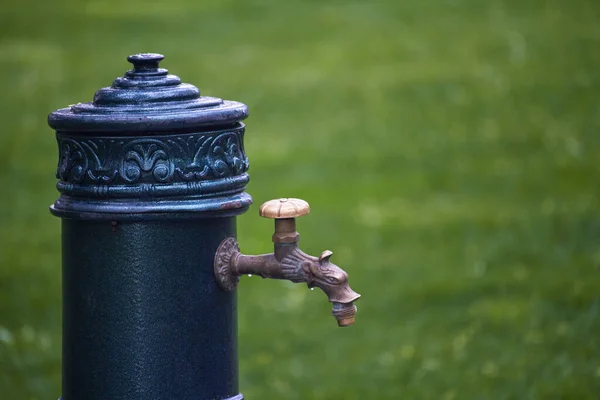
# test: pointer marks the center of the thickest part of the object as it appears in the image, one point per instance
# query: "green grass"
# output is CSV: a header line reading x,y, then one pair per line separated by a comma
x,y
450,151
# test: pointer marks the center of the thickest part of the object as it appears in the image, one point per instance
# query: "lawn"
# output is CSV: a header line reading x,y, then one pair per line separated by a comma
x,y
450,151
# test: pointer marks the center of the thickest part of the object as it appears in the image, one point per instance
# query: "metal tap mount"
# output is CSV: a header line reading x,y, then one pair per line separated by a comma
x,y
287,261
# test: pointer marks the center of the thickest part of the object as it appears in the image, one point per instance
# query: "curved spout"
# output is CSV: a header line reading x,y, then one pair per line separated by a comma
x,y
293,265
298,266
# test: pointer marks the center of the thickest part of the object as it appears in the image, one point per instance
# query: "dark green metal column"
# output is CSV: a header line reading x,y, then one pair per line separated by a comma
x,y
142,315
151,176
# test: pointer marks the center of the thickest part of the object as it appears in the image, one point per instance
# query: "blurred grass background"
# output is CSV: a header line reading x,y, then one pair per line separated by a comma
x,y
450,151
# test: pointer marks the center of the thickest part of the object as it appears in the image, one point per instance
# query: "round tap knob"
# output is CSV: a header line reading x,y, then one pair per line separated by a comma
x,y
284,208
284,212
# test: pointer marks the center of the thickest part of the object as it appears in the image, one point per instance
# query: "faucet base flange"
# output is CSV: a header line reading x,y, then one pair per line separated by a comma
x,y
225,276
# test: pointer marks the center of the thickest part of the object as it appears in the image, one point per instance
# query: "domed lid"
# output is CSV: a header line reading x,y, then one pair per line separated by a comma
x,y
147,99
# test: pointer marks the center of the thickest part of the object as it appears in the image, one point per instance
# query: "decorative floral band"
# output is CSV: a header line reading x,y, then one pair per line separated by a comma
x,y
177,164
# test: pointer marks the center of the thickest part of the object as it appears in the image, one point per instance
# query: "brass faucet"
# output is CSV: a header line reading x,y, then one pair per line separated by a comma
x,y
288,261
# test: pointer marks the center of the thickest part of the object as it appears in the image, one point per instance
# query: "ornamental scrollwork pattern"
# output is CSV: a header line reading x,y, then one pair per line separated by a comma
x,y
227,157
72,162
147,157
211,156
151,160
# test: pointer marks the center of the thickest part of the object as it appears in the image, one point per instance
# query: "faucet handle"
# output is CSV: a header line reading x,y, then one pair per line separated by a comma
x,y
284,208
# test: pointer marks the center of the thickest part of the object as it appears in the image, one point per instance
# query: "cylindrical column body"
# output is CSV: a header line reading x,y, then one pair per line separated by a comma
x,y
151,177
142,315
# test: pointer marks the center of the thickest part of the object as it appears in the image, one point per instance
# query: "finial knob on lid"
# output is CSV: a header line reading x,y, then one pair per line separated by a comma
x,y
145,62
284,208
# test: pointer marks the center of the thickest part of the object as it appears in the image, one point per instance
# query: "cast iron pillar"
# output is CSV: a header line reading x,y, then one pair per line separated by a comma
x,y
151,177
